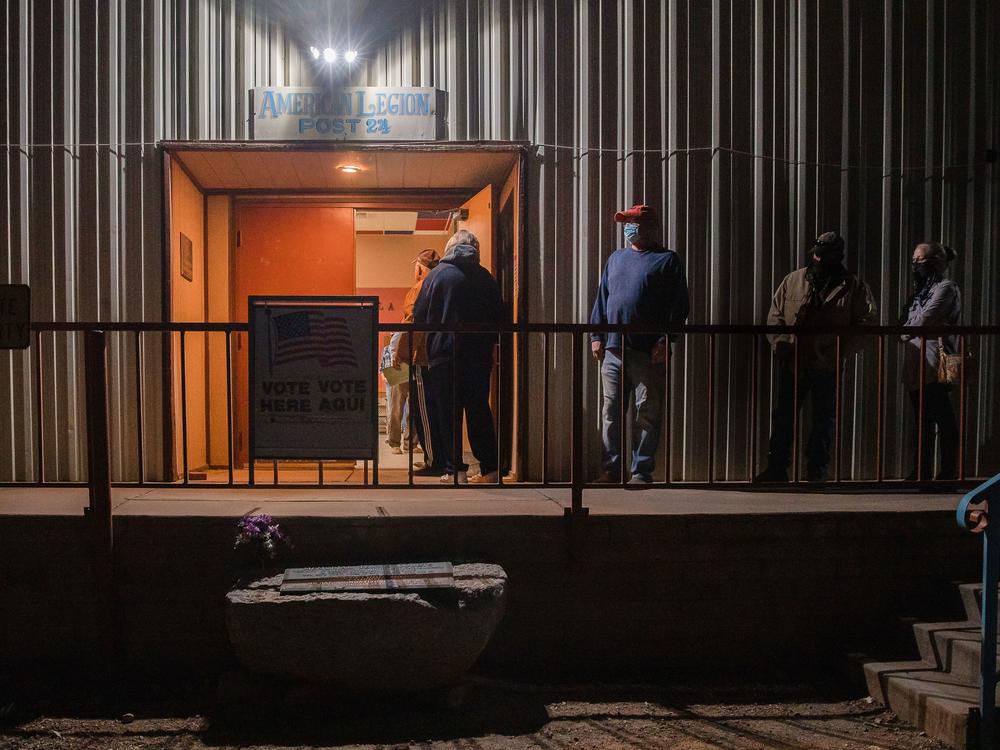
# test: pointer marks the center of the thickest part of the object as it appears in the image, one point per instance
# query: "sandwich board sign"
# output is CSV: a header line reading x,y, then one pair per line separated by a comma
x,y
313,386
15,316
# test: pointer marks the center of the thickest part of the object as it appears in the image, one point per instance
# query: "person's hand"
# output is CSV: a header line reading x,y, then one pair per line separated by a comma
x,y
659,354
784,351
597,349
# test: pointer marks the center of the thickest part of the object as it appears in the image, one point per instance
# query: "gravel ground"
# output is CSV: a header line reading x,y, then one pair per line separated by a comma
x,y
492,716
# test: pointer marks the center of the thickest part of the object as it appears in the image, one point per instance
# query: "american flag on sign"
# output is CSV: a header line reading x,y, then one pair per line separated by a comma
x,y
311,334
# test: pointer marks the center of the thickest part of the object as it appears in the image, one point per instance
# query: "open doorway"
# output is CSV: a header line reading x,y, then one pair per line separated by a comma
x,y
314,233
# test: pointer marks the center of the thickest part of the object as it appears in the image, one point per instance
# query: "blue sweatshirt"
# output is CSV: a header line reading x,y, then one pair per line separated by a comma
x,y
640,286
459,290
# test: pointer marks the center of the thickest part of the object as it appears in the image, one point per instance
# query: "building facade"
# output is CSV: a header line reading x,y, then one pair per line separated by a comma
x,y
751,126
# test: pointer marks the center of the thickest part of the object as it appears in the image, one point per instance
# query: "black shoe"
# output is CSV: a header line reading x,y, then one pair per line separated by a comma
x,y
427,471
771,475
609,476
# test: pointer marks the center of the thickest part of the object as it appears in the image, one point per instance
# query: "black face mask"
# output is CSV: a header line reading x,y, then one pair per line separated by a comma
x,y
922,272
828,266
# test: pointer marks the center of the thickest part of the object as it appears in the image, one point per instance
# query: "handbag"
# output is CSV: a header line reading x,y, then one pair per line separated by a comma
x,y
950,366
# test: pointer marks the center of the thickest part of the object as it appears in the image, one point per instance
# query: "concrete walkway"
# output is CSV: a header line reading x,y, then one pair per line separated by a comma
x,y
446,501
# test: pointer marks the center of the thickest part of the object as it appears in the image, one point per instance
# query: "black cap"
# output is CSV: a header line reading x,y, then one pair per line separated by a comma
x,y
828,244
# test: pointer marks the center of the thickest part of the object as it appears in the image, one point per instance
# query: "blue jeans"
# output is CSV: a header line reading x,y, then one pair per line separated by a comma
x,y
646,381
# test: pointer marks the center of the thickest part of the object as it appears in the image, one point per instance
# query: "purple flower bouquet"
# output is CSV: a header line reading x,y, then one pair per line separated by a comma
x,y
260,539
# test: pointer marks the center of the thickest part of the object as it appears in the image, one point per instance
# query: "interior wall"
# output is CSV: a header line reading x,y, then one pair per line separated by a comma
x,y
188,301
384,267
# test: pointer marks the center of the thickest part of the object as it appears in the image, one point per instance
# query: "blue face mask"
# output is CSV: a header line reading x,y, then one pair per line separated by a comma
x,y
632,233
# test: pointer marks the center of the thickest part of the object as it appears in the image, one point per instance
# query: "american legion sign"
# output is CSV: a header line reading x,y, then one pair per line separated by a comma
x,y
313,386
359,113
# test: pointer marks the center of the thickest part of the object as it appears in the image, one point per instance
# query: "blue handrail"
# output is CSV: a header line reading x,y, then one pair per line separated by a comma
x,y
977,520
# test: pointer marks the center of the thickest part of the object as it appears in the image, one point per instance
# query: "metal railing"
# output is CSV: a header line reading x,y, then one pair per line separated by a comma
x,y
980,520
525,337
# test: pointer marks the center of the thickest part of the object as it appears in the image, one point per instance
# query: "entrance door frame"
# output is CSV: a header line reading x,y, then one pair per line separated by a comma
x,y
365,198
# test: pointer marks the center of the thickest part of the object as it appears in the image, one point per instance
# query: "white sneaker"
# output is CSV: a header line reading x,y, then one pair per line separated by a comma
x,y
488,478
450,478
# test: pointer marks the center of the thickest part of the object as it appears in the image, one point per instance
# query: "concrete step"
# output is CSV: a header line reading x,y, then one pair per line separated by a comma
x,y
933,702
972,599
933,639
965,654
936,692
877,674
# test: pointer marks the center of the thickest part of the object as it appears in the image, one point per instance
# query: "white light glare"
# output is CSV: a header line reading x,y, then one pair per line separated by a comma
x,y
314,52
351,55
329,54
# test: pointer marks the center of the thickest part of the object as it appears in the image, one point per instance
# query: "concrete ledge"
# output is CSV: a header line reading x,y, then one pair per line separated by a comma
x,y
623,595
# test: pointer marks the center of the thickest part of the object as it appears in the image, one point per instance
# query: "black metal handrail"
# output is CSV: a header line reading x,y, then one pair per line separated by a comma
x,y
577,481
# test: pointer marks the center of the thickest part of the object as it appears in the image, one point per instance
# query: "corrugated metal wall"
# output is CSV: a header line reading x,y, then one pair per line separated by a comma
x,y
752,125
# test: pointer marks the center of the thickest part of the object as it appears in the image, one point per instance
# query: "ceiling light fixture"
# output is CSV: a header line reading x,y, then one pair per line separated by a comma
x,y
349,168
351,55
329,54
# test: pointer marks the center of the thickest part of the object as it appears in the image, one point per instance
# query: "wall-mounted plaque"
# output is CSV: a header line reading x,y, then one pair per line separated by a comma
x,y
358,113
187,257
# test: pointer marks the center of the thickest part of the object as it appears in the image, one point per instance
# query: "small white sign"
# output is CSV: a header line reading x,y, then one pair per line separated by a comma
x,y
312,374
15,316
359,113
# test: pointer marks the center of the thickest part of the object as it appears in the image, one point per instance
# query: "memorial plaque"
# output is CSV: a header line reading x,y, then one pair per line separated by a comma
x,y
402,577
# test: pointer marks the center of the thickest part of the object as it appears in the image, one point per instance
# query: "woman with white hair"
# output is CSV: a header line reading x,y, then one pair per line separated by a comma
x,y
457,381
936,301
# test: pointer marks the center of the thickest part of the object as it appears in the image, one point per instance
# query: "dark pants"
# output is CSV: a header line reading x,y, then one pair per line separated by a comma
x,y
419,413
449,395
823,387
937,412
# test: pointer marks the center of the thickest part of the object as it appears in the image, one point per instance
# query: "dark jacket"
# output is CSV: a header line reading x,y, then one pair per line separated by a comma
x,y
848,301
641,287
459,291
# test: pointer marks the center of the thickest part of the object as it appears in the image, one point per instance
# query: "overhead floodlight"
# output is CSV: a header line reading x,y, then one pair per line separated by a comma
x,y
351,55
330,54
314,52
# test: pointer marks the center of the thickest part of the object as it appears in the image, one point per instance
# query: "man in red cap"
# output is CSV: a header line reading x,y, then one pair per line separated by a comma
x,y
643,283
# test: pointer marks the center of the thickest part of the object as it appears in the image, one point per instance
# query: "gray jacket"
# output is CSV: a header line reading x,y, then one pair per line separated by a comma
x,y
938,305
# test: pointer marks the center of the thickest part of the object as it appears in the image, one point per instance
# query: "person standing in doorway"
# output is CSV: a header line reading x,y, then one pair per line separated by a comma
x,y
643,283
425,262
823,293
460,291
936,301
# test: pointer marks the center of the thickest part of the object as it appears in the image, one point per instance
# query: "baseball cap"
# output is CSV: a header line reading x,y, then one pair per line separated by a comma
x,y
428,258
828,243
640,213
